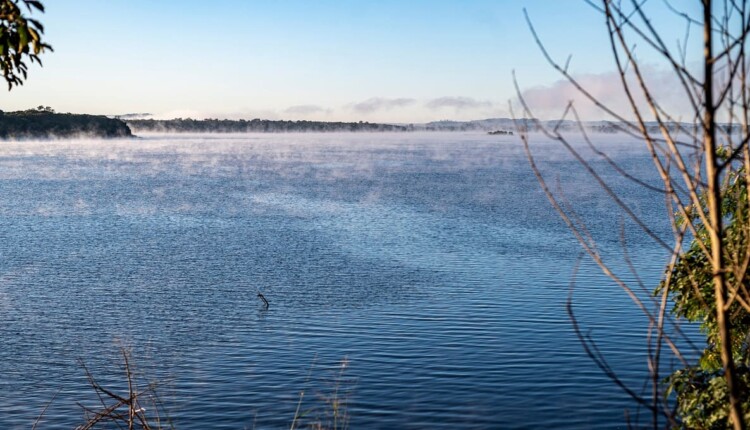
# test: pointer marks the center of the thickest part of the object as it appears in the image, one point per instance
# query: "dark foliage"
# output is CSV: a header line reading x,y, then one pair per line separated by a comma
x,y
20,39
701,390
44,123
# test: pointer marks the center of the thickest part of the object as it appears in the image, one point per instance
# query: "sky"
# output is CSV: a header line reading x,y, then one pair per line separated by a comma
x,y
379,61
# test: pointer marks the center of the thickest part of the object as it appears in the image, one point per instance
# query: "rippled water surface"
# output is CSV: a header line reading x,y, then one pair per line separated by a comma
x,y
420,277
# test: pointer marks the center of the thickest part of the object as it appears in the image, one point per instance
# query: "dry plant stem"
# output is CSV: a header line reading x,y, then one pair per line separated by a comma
x,y
741,269
710,155
296,412
641,127
131,406
659,338
691,181
556,136
574,218
39,418
111,414
297,415
563,71
724,85
629,262
609,11
589,345
588,247
715,232
687,80
609,159
590,348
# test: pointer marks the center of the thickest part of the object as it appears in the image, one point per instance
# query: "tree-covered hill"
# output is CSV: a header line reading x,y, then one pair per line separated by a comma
x,y
44,123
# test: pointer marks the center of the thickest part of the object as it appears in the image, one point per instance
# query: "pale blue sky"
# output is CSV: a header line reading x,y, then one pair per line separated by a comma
x,y
396,61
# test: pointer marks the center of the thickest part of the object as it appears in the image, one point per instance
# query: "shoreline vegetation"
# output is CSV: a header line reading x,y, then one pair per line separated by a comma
x,y
189,125
44,123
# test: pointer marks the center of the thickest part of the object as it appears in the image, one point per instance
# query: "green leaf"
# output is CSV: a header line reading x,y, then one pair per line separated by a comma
x,y
38,5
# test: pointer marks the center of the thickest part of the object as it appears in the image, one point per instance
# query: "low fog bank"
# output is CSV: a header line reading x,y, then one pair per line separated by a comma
x,y
143,123
210,153
140,124
189,125
179,177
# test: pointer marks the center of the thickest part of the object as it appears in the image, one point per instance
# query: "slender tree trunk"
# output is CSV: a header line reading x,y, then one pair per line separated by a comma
x,y
715,229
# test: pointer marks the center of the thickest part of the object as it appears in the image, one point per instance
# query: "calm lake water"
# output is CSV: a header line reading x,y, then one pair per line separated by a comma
x,y
420,277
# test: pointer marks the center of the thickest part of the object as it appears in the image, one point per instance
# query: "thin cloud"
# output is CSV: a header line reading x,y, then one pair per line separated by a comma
x,y
306,110
457,103
379,104
549,101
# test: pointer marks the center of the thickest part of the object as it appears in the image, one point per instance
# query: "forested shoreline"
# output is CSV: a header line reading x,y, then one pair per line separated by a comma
x,y
45,123
189,125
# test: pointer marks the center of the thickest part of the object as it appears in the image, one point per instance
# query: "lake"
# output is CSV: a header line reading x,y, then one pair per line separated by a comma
x,y
420,278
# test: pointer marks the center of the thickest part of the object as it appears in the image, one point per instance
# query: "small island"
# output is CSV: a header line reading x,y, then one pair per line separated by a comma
x,y
44,123
500,132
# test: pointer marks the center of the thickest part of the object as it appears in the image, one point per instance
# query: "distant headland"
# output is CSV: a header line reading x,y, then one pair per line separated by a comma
x,y
44,123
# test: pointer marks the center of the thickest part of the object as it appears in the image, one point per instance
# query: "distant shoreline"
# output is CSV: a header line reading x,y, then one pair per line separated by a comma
x,y
44,123
189,125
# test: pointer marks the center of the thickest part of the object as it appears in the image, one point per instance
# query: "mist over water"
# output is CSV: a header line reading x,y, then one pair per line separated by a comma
x,y
431,263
